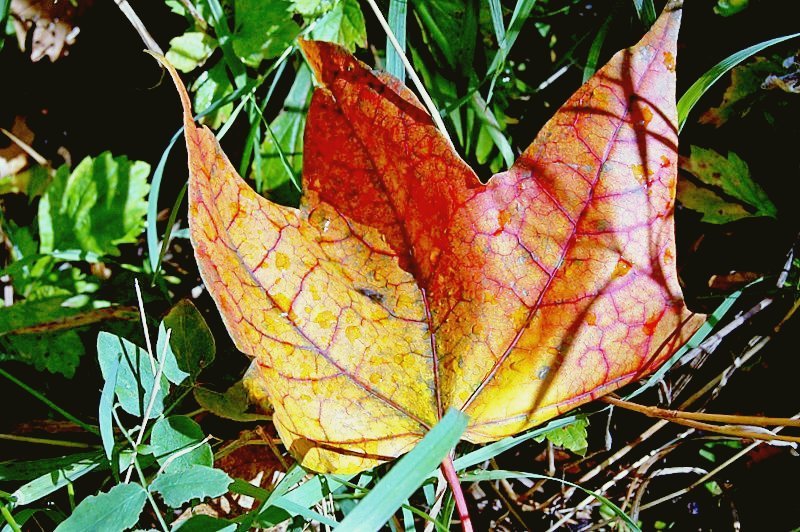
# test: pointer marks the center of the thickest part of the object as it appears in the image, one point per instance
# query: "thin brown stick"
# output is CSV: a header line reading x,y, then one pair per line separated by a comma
x,y
654,411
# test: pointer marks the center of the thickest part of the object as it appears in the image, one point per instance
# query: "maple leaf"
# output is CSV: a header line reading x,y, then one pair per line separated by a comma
x,y
403,286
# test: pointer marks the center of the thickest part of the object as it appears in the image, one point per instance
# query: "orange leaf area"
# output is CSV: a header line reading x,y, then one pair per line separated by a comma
x,y
404,286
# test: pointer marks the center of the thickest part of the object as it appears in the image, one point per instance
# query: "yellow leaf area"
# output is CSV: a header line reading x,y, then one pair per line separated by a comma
x,y
404,286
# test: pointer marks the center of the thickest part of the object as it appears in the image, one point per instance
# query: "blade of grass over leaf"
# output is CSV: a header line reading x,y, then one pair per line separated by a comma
x,y
407,475
704,82
432,108
696,339
496,11
53,480
646,11
398,11
104,416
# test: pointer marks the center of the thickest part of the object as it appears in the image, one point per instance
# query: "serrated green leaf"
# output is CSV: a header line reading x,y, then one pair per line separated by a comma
x,y
263,29
58,352
571,437
213,85
731,176
96,207
190,50
344,25
312,8
196,482
135,377
175,435
191,345
118,509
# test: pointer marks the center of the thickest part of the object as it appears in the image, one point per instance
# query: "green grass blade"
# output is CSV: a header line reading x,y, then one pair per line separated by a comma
x,y
496,11
407,475
49,482
173,214
696,339
479,476
597,45
486,115
646,11
398,11
522,10
699,87
490,451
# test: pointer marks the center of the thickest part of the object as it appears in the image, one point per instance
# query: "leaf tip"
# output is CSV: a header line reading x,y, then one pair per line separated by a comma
x,y
186,103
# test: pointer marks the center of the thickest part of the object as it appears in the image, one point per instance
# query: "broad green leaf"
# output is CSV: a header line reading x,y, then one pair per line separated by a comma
x,y
195,482
571,437
54,479
287,130
213,85
232,404
408,474
176,435
205,523
263,29
96,207
118,509
344,24
731,176
190,50
726,8
312,8
191,342
135,376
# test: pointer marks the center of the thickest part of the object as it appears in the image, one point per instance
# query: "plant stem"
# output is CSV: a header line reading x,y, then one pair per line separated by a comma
x,y
47,441
48,402
449,472
9,518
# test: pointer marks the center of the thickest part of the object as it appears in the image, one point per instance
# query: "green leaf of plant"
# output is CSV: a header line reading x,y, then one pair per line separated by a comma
x,y
312,8
205,523
407,475
287,130
105,417
190,50
96,207
54,479
571,437
344,24
181,436
135,377
263,29
232,404
213,85
57,352
27,470
726,8
196,482
191,344
731,176
118,509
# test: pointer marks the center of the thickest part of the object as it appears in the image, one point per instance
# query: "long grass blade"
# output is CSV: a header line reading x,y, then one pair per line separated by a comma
x,y
407,475
398,12
522,10
646,11
699,87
